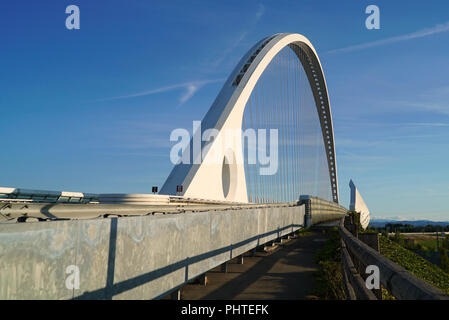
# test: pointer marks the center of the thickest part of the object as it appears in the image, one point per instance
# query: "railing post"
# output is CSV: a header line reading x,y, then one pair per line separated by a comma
x,y
176,295
203,279
307,209
224,267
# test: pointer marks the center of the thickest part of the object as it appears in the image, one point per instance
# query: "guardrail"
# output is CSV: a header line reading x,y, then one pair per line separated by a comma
x,y
20,195
132,257
26,195
319,210
123,205
33,212
399,282
131,251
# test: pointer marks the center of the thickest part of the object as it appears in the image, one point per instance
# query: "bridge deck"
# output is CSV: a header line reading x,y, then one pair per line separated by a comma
x,y
286,273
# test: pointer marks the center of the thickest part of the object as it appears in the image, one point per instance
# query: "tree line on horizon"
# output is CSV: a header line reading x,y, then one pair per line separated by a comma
x,y
407,228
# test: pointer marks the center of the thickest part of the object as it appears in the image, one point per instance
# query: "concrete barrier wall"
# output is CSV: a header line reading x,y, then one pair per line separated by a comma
x,y
319,210
143,257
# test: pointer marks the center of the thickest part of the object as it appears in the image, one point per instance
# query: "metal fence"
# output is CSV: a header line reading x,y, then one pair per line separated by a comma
x,y
356,255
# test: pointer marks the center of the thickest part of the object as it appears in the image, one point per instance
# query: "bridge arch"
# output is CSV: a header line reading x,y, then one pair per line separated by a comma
x,y
204,179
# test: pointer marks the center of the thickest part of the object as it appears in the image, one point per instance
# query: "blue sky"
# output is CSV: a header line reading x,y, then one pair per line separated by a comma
x,y
92,109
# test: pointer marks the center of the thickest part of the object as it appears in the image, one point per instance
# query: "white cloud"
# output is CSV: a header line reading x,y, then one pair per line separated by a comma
x,y
434,100
398,218
190,88
259,13
435,217
427,124
414,35
441,108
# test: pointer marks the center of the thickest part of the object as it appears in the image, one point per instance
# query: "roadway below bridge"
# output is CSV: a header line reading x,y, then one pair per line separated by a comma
x,y
286,272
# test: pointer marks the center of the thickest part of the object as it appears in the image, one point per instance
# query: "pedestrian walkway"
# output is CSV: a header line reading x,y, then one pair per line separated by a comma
x,y
285,273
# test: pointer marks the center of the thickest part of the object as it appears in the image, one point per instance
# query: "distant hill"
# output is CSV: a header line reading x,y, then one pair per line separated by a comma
x,y
379,223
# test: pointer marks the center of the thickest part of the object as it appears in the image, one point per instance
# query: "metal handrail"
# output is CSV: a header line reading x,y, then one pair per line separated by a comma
x,y
13,212
399,282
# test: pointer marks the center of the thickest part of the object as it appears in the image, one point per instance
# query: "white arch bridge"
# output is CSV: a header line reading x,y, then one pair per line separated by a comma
x,y
237,193
279,85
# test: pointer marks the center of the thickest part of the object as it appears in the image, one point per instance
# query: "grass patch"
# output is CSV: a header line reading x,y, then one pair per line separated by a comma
x,y
427,244
303,232
329,279
415,264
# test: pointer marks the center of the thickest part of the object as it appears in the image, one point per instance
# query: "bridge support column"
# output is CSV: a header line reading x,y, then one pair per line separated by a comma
x,y
224,267
203,279
308,210
240,259
176,295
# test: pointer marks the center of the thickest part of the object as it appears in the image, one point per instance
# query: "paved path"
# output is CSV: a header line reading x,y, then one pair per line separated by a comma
x,y
286,273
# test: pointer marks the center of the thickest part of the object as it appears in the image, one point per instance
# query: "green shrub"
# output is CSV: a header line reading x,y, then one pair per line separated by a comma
x,y
398,238
303,232
415,264
329,279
